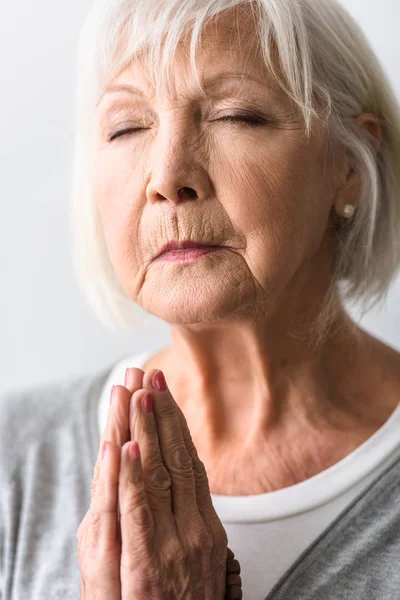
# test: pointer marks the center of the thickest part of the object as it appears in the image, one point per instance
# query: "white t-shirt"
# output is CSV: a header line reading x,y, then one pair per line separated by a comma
x,y
267,532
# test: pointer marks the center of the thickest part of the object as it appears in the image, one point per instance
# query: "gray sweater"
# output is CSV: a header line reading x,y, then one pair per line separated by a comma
x,y
48,446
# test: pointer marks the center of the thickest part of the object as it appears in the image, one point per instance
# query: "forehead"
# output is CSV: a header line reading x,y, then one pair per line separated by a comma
x,y
228,43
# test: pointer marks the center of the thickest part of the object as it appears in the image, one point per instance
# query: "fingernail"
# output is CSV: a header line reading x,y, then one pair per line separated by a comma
x,y
147,403
126,377
112,394
158,381
134,452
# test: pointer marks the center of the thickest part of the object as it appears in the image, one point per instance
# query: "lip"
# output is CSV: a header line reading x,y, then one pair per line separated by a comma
x,y
171,246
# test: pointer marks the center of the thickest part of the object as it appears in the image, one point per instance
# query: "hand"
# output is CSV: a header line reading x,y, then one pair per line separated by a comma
x,y
109,571
173,543
99,535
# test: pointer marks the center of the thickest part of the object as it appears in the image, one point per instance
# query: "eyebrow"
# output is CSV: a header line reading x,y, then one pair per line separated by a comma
x,y
208,83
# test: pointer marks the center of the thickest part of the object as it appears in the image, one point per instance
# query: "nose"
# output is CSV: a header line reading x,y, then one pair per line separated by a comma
x,y
176,170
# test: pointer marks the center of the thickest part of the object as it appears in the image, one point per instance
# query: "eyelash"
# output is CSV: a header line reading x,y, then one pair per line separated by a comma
x,y
250,121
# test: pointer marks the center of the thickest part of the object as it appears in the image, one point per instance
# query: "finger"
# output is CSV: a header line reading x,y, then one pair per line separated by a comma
x,y
202,489
174,453
155,474
104,502
117,424
133,379
137,525
100,548
117,428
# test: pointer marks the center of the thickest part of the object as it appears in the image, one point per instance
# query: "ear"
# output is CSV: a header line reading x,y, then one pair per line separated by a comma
x,y
348,190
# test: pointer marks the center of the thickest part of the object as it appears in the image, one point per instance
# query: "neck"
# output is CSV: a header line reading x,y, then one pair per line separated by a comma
x,y
255,389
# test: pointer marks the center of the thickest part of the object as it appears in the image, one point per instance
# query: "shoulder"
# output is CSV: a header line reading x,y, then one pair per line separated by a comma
x,y
33,415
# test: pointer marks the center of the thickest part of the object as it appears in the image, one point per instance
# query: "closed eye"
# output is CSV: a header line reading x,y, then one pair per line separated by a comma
x,y
125,132
250,121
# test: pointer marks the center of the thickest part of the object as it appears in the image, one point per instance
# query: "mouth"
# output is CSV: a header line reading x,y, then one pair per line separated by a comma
x,y
185,249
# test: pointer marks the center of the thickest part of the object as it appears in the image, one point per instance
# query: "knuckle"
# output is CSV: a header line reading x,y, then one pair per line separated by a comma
x,y
206,541
198,537
129,564
181,459
137,510
94,520
169,411
144,588
200,550
159,478
142,514
136,400
172,546
204,545
174,554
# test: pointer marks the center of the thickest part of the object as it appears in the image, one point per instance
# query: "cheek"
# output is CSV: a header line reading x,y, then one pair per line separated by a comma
x,y
114,197
275,198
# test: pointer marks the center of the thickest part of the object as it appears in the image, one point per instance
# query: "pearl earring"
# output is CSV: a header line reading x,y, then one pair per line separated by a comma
x,y
348,211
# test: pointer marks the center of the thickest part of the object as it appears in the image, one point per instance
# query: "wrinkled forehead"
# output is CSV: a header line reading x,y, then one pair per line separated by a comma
x,y
227,44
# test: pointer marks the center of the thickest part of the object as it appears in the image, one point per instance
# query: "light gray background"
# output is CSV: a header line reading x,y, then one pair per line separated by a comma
x,y
47,330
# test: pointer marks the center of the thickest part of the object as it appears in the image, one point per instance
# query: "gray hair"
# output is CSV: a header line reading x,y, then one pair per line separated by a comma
x,y
329,70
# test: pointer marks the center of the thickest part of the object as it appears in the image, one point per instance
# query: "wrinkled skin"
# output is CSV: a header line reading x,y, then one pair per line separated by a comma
x,y
150,531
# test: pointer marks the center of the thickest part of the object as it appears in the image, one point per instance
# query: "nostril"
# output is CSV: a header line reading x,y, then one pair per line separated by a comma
x,y
187,192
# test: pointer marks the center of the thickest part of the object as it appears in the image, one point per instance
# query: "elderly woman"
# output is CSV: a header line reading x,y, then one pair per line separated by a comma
x,y
238,176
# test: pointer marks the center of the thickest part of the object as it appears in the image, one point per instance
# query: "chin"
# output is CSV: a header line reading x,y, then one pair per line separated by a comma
x,y
193,304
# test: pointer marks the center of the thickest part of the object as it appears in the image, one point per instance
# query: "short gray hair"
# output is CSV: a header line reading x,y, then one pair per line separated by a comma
x,y
329,70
